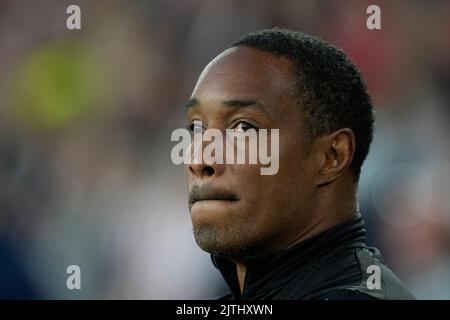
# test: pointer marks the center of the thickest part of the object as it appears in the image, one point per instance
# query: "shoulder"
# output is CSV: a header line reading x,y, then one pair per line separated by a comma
x,y
377,279
357,274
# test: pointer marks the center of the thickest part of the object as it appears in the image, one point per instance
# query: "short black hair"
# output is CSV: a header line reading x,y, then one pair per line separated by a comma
x,y
330,87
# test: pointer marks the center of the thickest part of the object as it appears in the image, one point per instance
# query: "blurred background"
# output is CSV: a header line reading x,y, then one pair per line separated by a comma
x,y
86,116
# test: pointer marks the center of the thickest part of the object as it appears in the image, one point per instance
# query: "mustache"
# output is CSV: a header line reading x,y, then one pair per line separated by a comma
x,y
206,192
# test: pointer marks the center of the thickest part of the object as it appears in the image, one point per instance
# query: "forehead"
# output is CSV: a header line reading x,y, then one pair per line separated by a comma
x,y
243,72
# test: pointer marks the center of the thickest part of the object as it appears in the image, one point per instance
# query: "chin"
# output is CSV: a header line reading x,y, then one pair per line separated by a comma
x,y
233,244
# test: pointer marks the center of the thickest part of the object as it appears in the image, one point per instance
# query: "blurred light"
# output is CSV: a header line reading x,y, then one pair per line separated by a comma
x,y
56,85
402,194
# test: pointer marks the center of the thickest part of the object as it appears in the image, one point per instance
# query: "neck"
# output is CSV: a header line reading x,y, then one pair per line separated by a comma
x,y
241,272
262,275
331,208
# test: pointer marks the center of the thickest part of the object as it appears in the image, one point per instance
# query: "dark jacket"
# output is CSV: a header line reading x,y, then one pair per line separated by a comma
x,y
335,264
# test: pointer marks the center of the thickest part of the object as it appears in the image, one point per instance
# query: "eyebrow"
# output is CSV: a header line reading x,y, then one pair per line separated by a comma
x,y
191,103
235,103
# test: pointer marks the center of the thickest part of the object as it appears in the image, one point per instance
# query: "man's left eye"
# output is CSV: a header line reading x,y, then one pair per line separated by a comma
x,y
244,126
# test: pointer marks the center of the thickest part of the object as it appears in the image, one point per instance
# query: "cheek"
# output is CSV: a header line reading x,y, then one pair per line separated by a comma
x,y
294,180
243,176
261,193
253,188
295,164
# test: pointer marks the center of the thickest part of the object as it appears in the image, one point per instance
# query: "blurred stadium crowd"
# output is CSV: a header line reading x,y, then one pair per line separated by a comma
x,y
85,122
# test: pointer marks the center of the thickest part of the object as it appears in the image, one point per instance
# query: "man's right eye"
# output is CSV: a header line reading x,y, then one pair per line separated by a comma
x,y
196,127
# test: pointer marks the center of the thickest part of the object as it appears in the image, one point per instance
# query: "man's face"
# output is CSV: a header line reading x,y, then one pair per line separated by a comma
x,y
256,212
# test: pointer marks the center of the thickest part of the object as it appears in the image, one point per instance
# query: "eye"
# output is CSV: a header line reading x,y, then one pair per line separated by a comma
x,y
244,126
196,127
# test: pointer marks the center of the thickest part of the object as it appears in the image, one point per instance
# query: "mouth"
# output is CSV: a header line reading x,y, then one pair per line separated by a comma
x,y
211,205
211,201
206,194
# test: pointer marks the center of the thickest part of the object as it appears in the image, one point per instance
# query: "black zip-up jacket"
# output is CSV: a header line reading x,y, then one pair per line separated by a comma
x,y
336,264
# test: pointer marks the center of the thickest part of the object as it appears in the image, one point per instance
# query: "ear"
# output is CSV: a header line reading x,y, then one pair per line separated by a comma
x,y
336,152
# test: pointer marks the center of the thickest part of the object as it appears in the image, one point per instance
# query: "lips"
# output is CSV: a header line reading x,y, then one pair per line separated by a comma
x,y
208,193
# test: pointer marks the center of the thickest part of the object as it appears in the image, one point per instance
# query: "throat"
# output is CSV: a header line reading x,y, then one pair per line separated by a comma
x,y
241,271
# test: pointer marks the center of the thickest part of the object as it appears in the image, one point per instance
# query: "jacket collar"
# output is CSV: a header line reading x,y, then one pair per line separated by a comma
x,y
271,271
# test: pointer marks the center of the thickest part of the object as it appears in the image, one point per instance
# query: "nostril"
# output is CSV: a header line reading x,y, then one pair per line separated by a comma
x,y
208,171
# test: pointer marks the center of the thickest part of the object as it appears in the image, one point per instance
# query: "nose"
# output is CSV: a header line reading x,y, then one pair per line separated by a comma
x,y
203,168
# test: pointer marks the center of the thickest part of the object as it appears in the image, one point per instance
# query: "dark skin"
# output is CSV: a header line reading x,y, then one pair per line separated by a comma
x,y
314,188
